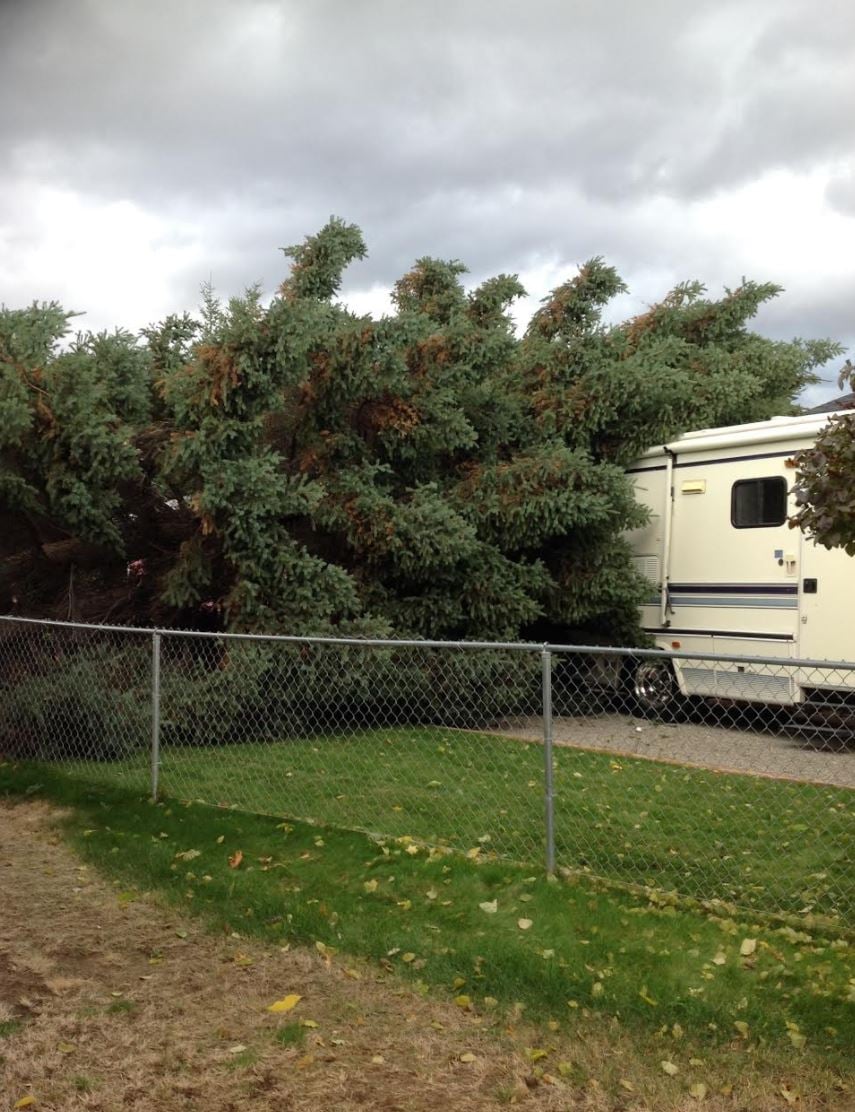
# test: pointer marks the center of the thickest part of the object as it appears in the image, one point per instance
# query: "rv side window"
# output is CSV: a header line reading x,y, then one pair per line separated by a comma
x,y
758,503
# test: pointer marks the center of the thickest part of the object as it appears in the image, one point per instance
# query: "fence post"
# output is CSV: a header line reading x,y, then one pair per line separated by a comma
x,y
155,714
548,795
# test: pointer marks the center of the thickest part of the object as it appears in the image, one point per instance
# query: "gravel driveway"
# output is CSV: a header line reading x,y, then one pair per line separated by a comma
x,y
695,744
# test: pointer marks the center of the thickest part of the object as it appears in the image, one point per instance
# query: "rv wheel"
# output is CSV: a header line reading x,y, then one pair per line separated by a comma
x,y
654,686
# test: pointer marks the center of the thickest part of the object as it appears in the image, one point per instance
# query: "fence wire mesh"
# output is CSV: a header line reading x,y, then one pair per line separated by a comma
x,y
77,695
728,780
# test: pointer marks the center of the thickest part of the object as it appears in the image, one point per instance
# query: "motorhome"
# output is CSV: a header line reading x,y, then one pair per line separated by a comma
x,y
729,576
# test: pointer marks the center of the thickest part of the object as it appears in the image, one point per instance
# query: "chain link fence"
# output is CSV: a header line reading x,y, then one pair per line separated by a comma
x,y
724,779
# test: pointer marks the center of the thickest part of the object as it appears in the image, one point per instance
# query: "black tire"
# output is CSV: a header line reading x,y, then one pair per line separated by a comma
x,y
654,690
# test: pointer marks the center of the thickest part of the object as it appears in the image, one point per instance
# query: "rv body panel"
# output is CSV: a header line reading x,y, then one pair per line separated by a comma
x,y
827,609
728,574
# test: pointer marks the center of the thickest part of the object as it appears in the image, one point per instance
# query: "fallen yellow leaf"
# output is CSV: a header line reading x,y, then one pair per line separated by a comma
x,y
467,1057
25,1102
463,1001
749,945
669,1068
524,924
285,1004
370,885
188,855
698,1090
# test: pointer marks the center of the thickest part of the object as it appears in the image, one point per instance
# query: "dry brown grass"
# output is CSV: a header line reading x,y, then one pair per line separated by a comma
x,y
124,1004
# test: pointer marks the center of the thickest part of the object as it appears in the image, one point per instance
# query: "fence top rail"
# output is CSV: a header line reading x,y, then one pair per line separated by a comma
x,y
301,639
403,643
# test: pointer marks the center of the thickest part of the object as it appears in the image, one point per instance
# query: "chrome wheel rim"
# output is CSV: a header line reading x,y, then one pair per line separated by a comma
x,y
654,685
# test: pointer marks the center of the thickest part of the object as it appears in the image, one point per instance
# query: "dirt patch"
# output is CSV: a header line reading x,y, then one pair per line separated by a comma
x,y
19,990
128,1005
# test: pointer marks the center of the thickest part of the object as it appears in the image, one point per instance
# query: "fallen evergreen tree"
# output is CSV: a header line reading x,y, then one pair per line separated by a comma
x,y
294,467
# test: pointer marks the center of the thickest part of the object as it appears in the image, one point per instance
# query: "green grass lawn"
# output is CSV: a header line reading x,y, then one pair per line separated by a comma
x,y
761,844
730,1003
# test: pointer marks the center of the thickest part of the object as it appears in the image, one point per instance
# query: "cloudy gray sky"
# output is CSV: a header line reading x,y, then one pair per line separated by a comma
x,y
151,144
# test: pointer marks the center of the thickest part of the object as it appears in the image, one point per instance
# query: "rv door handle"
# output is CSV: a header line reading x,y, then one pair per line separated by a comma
x,y
809,586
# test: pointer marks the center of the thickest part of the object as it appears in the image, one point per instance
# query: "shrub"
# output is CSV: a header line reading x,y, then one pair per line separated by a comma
x,y
92,704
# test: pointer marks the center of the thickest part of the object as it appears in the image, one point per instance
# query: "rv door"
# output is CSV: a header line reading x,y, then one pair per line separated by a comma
x,y
827,604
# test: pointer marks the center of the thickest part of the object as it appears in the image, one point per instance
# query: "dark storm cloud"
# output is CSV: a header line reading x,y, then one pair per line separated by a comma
x,y
502,133
394,102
